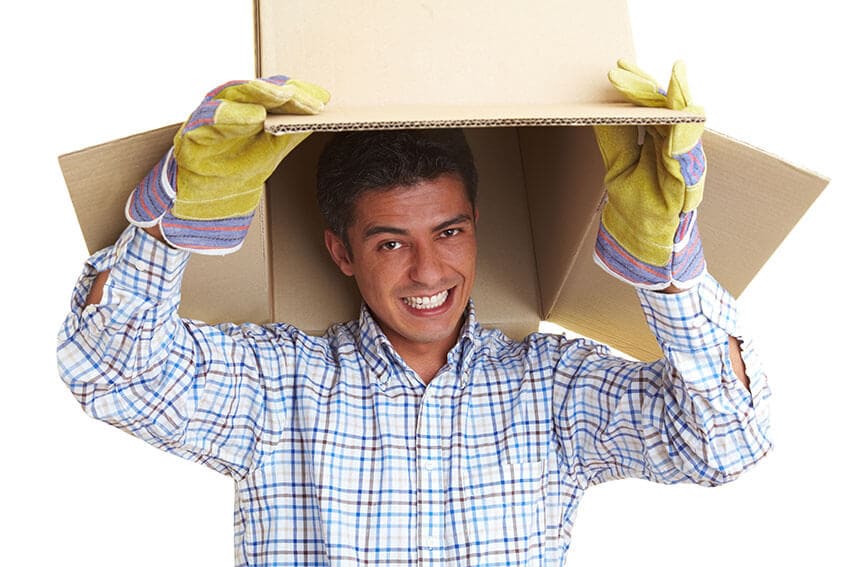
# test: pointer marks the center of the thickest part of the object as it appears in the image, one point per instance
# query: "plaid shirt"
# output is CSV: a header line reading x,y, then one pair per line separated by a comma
x,y
341,455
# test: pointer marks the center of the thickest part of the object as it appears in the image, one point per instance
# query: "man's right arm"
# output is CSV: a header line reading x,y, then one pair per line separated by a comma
x,y
196,390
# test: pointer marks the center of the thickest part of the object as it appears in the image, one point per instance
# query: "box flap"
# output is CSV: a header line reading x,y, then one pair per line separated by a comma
x,y
100,179
752,201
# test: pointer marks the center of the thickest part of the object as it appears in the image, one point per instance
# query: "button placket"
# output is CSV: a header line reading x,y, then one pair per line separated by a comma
x,y
431,491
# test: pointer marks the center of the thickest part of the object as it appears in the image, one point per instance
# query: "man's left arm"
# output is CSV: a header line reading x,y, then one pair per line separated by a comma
x,y
703,412
713,376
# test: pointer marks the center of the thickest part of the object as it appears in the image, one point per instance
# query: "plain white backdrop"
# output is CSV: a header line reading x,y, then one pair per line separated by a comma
x,y
77,492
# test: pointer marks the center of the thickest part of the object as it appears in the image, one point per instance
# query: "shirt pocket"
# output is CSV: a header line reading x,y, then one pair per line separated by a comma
x,y
505,513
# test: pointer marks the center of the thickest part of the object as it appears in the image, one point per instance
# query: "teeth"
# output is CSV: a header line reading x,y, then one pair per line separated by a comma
x,y
431,302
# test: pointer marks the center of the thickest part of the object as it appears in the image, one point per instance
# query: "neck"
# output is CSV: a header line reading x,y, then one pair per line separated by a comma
x,y
426,358
426,362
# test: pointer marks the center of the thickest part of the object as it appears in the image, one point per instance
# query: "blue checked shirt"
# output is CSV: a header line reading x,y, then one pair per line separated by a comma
x,y
342,456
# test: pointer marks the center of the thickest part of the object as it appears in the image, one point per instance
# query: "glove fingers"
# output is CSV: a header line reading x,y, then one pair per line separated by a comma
x,y
636,85
678,93
223,157
684,138
215,121
278,94
268,92
630,67
305,98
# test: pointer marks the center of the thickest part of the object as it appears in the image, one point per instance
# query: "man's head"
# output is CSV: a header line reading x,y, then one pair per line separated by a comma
x,y
400,207
356,162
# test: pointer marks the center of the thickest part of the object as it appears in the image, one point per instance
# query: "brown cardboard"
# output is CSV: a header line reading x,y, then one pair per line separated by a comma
x,y
446,53
100,179
752,201
526,106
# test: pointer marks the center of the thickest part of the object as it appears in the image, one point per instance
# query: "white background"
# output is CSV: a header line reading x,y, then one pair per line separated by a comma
x,y
78,492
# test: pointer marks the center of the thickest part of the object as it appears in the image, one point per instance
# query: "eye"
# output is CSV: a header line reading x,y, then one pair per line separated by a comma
x,y
390,245
449,232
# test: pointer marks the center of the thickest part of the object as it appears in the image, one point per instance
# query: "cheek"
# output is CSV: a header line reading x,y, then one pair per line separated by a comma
x,y
461,255
384,270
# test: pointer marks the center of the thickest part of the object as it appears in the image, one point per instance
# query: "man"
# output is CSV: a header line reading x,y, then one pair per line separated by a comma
x,y
410,434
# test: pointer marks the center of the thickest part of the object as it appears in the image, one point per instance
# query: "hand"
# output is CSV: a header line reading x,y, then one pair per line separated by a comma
x,y
648,236
203,193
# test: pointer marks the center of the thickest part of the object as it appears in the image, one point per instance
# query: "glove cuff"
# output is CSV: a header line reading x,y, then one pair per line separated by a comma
x,y
684,270
210,237
155,194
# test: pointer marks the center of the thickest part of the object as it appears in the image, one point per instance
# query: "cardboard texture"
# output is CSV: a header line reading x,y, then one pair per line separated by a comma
x,y
526,84
386,117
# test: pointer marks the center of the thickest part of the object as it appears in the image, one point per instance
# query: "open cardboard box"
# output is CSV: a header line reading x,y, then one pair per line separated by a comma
x,y
526,82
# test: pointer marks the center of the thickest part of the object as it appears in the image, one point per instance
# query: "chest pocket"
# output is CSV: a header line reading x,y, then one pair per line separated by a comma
x,y
505,514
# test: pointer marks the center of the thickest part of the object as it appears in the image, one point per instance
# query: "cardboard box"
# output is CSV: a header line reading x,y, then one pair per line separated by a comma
x,y
526,83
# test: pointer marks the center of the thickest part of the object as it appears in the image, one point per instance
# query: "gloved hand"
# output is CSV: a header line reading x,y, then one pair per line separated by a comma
x,y
648,236
205,190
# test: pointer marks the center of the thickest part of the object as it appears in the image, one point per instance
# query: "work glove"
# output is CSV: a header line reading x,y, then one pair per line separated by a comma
x,y
654,178
203,193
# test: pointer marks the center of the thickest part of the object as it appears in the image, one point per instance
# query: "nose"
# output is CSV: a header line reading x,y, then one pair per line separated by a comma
x,y
427,267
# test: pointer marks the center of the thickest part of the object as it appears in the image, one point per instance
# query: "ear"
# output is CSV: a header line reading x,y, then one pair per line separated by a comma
x,y
339,253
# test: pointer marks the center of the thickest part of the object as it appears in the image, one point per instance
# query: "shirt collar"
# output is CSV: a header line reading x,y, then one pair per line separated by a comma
x,y
386,362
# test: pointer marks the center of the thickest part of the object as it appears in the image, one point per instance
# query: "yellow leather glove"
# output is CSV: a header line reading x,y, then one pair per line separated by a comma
x,y
648,235
204,192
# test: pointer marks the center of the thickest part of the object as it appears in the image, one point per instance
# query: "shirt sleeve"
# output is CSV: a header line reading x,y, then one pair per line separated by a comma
x,y
203,392
683,418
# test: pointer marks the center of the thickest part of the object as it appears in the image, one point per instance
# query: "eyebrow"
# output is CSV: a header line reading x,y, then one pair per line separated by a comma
x,y
382,229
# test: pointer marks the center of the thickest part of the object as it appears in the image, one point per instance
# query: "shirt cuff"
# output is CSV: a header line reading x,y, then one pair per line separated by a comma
x,y
142,265
701,317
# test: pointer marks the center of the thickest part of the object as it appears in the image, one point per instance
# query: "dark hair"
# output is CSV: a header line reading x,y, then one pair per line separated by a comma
x,y
355,162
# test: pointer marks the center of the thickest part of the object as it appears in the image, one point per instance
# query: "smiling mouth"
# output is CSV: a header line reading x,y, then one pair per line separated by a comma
x,y
427,301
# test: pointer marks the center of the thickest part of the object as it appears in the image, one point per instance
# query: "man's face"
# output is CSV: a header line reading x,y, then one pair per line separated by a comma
x,y
413,252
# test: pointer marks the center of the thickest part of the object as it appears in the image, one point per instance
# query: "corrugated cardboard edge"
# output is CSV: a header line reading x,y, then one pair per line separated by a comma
x,y
395,117
255,5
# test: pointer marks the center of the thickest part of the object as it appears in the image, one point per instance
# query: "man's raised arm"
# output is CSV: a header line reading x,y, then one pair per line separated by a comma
x,y
196,390
700,413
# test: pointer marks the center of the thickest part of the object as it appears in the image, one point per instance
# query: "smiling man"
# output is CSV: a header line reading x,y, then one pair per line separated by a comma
x,y
410,434
408,238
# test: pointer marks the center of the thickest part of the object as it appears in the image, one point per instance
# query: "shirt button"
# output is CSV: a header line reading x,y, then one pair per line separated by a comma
x,y
430,465
432,541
